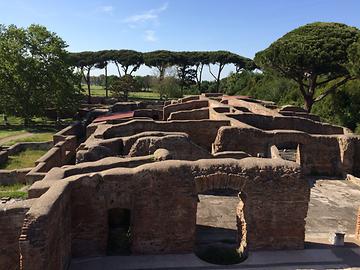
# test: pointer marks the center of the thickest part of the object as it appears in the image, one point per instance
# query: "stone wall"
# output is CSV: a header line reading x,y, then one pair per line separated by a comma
x,y
357,230
22,146
189,105
195,114
356,164
11,220
335,160
288,123
162,199
10,177
49,247
180,147
201,132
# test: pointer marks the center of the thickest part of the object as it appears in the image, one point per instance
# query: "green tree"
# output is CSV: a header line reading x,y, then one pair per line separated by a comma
x,y
85,62
161,60
354,59
222,58
184,62
128,60
122,86
168,87
315,56
34,72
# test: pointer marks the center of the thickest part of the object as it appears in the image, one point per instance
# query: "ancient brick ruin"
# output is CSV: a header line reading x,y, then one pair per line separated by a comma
x,y
151,163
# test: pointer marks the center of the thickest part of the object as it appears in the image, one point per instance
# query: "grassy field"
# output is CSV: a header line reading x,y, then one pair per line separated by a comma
x,y
25,159
97,90
17,122
37,137
10,132
13,191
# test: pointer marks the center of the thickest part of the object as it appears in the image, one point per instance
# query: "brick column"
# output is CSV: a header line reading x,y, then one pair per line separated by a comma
x,y
357,230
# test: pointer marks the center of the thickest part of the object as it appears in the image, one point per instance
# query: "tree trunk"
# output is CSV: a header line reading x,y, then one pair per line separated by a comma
x,y
200,77
106,83
218,79
118,69
126,95
88,85
162,73
6,122
26,121
309,102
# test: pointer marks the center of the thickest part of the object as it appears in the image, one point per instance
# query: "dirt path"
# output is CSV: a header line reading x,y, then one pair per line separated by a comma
x,y
15,137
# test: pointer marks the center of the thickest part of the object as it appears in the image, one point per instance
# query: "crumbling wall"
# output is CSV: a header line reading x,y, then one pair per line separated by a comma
x,y
287,123
162,198
356,158
189,105
334,160
45,240
202,132
195,114
11,221
179,146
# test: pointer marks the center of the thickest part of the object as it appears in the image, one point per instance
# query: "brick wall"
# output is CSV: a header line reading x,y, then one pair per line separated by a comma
x,y
71,218
11,220
357,230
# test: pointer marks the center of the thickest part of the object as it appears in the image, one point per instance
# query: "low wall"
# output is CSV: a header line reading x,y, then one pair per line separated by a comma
x,y
23,146
287,123
62,153
11,221
319,154
151,113
3,156
201,132
189,105
20,147
76,129
195,114
10,177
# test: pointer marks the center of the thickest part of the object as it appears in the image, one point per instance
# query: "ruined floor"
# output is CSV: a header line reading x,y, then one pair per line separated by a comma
x,y
332,208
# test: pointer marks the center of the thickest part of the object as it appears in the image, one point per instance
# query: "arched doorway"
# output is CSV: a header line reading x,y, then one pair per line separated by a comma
x,y
220,226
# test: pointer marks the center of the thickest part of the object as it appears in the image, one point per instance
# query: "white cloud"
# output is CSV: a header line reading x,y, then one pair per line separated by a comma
x,y
149,15
150,36
107,9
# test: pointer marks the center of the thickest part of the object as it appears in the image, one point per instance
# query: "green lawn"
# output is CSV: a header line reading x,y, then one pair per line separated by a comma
x,y
13,191
97,90
25,159
17,122
10,132
37,137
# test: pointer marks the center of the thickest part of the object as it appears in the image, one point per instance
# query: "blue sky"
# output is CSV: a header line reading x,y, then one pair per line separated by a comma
x,y
243,27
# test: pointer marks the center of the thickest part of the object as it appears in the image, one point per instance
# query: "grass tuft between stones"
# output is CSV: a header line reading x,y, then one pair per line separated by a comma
x,y
15,191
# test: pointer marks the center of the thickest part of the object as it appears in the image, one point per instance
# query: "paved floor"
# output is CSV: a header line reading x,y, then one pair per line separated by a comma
x,y
323,258
333,207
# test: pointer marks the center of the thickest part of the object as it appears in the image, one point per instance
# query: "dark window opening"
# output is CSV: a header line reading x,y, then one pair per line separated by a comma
x,y
119,238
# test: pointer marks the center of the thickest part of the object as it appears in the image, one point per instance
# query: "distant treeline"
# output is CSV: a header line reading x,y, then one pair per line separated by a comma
x,y
190,64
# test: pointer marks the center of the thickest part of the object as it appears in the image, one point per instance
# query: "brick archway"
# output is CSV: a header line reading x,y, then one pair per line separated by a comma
x,y
224,181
